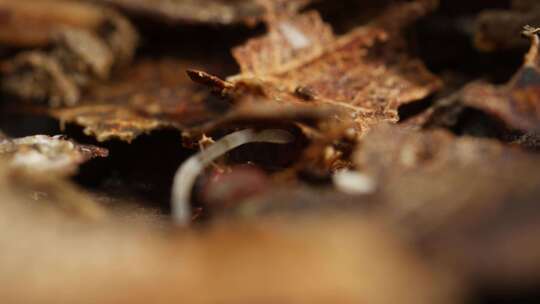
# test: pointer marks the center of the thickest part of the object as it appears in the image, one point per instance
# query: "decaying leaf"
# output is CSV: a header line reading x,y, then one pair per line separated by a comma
x,y
205,11
46,154
496,29
516,104
364,73
469,203
474,201
350,207
164,97
82,47
151,95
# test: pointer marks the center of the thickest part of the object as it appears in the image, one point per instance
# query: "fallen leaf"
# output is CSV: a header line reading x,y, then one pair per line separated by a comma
x,y
496,29
46,154
205,11
151,95
364,74
515,104
472,201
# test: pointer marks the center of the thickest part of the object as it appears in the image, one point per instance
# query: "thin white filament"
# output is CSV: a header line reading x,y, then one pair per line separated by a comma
x,y
186,175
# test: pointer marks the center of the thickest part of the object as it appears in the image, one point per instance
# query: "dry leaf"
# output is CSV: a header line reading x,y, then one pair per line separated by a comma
x,y
152,94
203,11
164,97
46,154
364,74
516,104
496,29
472,201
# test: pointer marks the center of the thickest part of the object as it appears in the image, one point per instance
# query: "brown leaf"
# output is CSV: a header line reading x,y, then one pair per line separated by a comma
x,y
468,203
364,74
518,102
45,154
203,11
515,104
496,29
151,95
471,201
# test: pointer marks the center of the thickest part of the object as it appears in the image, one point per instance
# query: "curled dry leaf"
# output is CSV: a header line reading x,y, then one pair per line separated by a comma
x,y
515,104
518,102
496,29
472,201
84,43
205,11
46,154
364,74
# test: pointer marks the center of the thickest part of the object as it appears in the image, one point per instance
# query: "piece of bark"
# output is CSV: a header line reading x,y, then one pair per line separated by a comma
x,y
46,154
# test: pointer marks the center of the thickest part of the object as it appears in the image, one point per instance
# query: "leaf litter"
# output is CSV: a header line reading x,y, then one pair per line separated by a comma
x,y
296,178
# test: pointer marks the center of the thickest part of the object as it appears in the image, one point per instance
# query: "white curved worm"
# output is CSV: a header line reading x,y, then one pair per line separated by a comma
x,y
186,175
